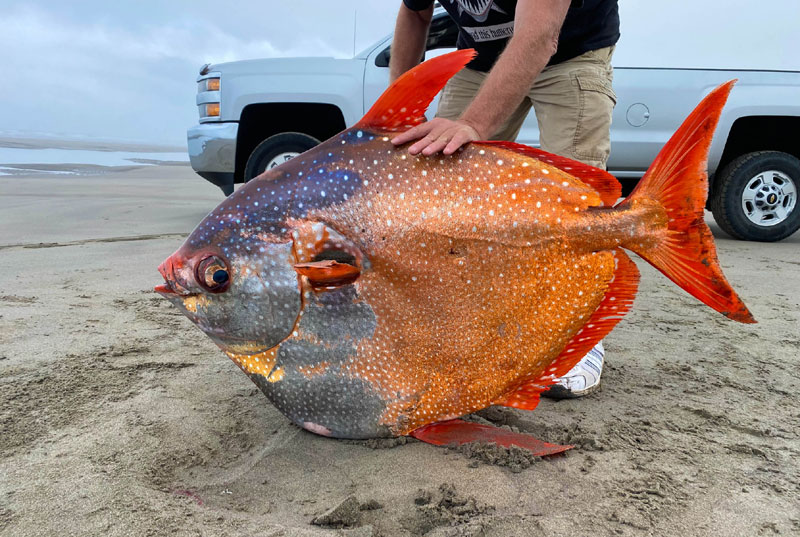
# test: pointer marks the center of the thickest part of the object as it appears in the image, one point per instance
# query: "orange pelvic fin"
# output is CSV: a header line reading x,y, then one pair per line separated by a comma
x,y
458,432
616,303
677,180
603,182
403,104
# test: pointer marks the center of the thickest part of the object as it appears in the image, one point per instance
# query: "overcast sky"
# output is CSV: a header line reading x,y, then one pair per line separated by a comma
x,y
126,70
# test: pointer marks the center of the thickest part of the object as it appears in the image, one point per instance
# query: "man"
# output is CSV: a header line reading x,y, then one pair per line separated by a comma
x,y
554,55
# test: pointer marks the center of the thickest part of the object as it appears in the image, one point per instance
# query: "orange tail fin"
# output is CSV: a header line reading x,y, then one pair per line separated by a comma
x,y
677,180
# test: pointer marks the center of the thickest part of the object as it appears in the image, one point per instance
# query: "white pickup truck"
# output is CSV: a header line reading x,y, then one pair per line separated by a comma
x,y
256,114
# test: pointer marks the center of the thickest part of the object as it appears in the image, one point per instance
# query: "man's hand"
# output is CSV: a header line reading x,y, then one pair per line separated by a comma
x,y
439,134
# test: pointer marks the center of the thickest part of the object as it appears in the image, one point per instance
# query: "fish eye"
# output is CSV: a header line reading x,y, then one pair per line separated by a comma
x,y
220,276
213,274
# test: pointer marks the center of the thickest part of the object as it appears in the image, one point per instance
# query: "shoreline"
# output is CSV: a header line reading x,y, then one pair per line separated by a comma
x,y
24,142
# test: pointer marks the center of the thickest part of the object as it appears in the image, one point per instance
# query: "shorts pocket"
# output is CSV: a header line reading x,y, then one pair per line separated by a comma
x,y
597,101
586,83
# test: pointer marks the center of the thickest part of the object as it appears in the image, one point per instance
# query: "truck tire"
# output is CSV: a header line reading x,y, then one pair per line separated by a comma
x,y
276,150
755,196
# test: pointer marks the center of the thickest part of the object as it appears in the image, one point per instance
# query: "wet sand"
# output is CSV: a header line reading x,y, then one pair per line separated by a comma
x,y
118,417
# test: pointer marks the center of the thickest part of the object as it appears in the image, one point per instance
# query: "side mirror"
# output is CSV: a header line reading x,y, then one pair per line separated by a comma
x,y
382,59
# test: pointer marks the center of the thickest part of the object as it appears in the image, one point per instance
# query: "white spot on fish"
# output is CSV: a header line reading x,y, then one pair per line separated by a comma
x,y
316,429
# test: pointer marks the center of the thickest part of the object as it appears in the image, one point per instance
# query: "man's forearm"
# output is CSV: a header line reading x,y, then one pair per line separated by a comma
x,y
410,36
537,24
527,53
504,88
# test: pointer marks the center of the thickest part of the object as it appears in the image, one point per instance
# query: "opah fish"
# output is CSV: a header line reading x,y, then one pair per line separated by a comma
x,y
371,293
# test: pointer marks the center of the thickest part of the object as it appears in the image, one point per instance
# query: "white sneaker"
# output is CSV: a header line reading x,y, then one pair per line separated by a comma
x,y
582,379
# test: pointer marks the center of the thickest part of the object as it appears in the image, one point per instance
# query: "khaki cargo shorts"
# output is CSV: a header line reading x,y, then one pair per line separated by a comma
x,y
573,101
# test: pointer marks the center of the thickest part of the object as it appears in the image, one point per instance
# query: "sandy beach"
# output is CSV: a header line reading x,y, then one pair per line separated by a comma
x,y
118,417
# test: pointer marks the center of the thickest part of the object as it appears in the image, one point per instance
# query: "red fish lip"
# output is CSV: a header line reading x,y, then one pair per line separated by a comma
x,y
164,289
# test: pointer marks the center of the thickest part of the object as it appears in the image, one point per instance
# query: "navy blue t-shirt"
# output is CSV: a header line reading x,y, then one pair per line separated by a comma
x,y
486,26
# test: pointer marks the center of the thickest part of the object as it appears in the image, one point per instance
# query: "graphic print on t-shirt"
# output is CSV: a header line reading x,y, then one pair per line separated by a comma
x,y
477,9
490,33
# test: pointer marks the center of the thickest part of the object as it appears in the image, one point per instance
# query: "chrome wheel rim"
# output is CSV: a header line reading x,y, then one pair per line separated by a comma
x,y
769,198
279,159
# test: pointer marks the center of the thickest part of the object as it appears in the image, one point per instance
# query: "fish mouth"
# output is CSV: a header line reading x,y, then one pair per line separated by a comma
x,y
171,286
169,291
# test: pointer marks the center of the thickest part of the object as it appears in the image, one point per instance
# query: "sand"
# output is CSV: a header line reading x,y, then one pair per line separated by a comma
x,y
118,417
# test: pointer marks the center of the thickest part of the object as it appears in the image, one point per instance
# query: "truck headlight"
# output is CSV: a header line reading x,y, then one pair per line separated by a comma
x,y
208,84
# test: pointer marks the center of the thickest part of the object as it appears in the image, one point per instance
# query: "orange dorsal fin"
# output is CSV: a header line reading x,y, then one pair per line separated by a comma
x,y
678,182
616,303
603,182
403,104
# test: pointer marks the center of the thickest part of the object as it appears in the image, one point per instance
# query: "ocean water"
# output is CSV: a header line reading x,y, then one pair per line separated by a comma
x,y
15,161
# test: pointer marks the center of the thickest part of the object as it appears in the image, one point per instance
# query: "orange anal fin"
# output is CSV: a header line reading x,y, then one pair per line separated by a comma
x,y
526,397
616,303
327,273
603,182
403,104
458,432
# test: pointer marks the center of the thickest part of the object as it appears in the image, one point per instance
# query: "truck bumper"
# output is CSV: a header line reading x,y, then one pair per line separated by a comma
x,y
212,152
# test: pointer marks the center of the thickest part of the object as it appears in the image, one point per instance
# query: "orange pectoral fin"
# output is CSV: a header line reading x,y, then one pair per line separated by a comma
x,y
458,432
328,273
